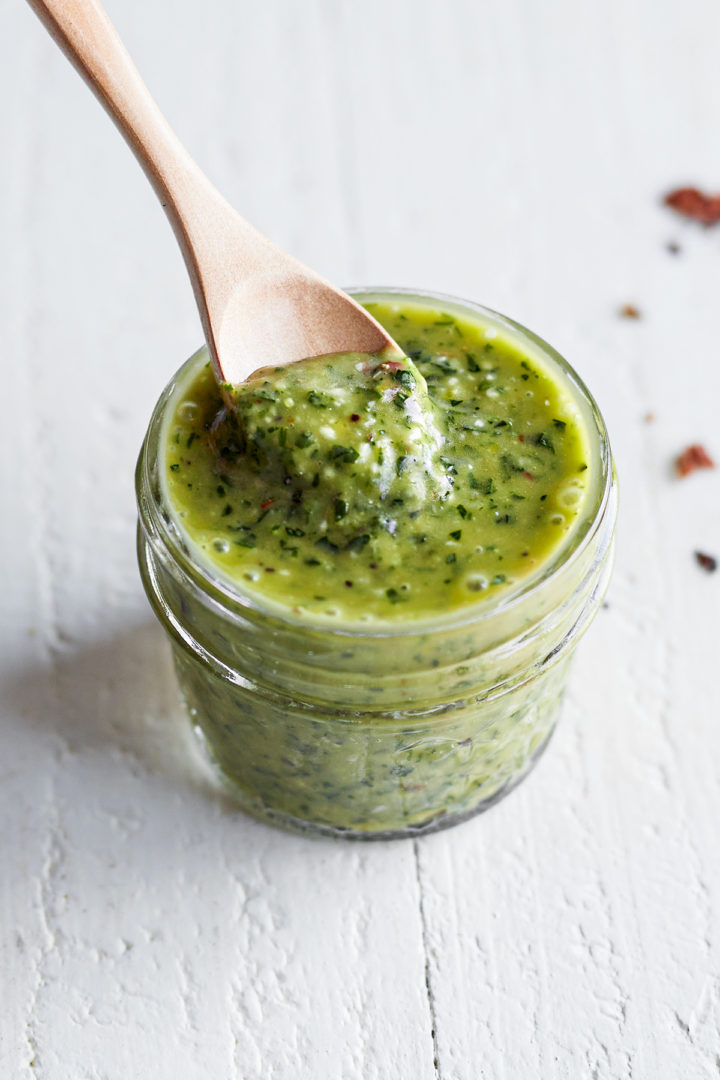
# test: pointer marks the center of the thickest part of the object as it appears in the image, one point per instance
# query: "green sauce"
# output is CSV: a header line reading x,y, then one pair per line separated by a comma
x,y
361,489
382,517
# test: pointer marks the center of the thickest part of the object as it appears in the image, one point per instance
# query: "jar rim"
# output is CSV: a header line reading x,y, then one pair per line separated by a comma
x,y
163,528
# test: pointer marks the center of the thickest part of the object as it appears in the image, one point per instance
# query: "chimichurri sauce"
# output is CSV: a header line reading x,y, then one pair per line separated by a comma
x,y
358,488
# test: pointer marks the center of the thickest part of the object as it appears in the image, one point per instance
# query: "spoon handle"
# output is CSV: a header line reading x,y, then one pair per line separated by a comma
x,y
203,222
258,306
86,36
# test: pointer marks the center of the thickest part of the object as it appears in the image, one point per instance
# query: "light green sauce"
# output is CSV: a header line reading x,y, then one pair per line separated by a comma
x,y
360,490
358,504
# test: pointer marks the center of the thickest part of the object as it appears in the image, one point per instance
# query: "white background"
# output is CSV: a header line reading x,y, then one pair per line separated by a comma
x,y
510,151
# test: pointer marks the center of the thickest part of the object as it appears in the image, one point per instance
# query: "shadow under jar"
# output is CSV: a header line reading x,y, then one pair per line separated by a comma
x,y
385,729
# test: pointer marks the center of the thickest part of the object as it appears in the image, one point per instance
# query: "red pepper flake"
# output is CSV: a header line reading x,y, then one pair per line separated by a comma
x,y
521,438
694,457
694,204
629,311
528,475
354,417
707,562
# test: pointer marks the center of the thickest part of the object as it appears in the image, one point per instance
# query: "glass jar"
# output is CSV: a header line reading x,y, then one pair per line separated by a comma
x,y
377,730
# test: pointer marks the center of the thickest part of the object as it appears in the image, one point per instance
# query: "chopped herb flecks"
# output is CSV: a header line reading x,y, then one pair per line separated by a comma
x,y
360,487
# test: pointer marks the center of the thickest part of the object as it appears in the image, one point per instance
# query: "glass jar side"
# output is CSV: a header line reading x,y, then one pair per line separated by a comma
x,y
371,761
368,775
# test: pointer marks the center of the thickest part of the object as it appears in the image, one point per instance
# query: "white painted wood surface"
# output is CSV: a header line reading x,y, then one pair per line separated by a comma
x,y
509,151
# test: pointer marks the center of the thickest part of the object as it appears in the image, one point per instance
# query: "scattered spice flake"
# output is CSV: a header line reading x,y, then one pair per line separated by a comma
x,y
673,248
692,458
694,204
629,311
707,562
268,502
649,417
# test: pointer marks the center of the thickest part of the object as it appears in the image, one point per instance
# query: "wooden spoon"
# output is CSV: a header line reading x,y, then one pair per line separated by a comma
x,y
259,306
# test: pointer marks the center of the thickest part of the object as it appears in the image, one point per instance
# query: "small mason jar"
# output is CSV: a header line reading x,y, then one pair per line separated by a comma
x,y
387,729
